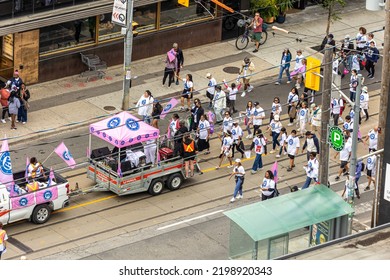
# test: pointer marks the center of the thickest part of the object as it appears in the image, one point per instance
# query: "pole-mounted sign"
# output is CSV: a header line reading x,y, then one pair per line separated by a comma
x,y
336,138
119,12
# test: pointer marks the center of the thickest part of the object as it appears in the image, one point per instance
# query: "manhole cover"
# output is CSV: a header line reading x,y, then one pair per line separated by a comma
x,y
231,70
109,108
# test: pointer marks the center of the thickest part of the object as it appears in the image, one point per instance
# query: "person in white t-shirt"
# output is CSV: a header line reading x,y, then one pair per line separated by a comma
x,y
364,99
372,138
226,149
239,174
232,97
371,171
282,142
275,127
258,116
145,106
292,143
210,88
311,169
259,144
348,124
276,108
268,187
336,109
303,118
204,134
345,154
227,122
237,139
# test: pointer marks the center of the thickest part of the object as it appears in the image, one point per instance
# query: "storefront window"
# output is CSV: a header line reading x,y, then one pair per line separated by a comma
x,y
6,57
171,13
67,35
108,29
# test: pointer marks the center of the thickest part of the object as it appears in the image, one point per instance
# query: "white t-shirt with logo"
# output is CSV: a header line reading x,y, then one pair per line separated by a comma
x,y
372,139
312,168
364,98
276,126
292,145
276,108
259,145
227,124
371,162
336,105
258,114
236,132
268,184
203,129
292,98
232,93
303,115
226,143
348,125
241,170
211,86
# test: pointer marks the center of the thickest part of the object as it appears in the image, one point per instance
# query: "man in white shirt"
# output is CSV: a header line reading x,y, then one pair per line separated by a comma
x,y
348,125
345,154
311,169
219,103
336,109
237,138
258,116
210,88
372,138
364,99
293,145
259,143
371,171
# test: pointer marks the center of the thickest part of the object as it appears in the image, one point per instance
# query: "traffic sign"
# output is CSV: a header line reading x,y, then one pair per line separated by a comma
x,y
336,138
119,12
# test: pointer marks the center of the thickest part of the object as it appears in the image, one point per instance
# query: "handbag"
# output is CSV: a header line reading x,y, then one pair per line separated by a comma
x,y
26,105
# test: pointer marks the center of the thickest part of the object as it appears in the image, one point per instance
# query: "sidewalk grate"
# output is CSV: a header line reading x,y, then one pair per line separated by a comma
x,y
109,108
231,70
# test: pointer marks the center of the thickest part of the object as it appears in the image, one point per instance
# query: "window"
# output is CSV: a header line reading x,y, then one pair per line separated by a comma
x,y
145,16
67,35
108,29
171,13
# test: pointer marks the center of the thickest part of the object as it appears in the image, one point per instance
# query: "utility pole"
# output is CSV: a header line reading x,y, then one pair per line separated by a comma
x,y
384,206
352,170
325,115
127,56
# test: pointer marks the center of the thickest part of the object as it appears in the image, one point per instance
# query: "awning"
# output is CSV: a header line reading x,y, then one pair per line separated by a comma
x,y
289,212
123,129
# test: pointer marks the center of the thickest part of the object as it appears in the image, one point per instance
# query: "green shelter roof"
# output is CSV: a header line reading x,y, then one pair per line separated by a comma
x,y
289,212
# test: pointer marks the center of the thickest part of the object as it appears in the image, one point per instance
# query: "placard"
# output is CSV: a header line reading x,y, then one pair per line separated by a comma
x,y
119,12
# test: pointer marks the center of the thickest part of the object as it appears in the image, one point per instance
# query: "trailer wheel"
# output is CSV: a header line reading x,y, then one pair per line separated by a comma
x,y
41,214
156,187
174,181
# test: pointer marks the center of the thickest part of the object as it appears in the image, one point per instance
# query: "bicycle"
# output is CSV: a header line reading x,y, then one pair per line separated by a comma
x,y
242,41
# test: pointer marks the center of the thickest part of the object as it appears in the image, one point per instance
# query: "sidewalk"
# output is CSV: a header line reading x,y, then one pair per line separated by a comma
x,y
72,102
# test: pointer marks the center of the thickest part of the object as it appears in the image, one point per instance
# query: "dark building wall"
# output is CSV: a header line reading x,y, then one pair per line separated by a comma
x,y
62,65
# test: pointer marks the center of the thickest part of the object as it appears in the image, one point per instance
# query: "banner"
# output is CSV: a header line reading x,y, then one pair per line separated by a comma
x,y
46,195
172,103
171,55
6,175
63,152
23,201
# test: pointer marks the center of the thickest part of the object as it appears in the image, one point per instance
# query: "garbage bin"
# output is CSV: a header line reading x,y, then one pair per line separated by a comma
x,y
301,4
373,5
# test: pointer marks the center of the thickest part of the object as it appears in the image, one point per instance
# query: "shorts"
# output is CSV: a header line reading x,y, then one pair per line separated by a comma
x,y
343,164
291,156
369,173
257,36
186,94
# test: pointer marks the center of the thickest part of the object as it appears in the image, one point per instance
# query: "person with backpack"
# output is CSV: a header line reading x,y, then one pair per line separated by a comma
x,y
188,152
268,187
336,110
311,169
371,171
3,239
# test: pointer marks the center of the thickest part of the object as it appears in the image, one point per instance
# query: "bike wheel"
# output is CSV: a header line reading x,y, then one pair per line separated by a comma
x,y
264,36
242,42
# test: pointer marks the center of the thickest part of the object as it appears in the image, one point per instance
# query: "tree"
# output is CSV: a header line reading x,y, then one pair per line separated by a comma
x,y
333,7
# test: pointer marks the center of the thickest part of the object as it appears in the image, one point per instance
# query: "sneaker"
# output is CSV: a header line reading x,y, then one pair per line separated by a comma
x,y
255,50
278,156
337,178
298,129
232,200
250,136
277,83
9,118
285,153
289,169
289,82
372,77
367,188
177,82
243,94
23,122
346,174
272,152
229,166
3,121
182,109
290,124
17,120
217,167
253,172
250,88
240,196
261,168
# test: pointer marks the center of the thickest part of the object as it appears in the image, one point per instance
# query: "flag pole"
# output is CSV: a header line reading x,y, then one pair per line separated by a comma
x,y
47,157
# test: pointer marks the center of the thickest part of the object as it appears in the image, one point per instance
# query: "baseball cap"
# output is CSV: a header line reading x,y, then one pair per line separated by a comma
x,y
208,75
238,160
256,103
276,118
365,89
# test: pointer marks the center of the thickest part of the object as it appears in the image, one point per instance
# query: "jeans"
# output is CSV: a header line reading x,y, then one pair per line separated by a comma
x,y
307,183
275,140
281,149
258,163
22,114
282,69
352,95
239,184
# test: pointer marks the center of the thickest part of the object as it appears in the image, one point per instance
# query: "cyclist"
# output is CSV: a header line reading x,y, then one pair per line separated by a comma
x,y
257,25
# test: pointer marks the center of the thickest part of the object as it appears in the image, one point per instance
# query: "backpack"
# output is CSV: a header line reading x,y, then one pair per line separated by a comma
x,y
363,166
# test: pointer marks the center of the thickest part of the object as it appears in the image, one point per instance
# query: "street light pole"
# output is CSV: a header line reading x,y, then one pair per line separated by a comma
x,y
128,47
352,170
325,115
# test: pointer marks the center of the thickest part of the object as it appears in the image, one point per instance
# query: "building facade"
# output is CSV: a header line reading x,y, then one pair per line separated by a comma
x,y
43,39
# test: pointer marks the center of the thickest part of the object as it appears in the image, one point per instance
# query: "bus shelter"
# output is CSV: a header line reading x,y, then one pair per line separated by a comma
x,y
264,230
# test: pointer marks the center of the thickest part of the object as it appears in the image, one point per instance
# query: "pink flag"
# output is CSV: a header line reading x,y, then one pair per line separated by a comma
x,y
47,194
274,170
26,171
22,201
172,103
51,178
171,55
6,175
119,170
63,152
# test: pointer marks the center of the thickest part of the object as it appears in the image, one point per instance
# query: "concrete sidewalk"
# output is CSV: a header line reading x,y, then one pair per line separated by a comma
x,y
72,102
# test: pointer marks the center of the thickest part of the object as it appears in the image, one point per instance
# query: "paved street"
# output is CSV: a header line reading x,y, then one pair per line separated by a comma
x,y
130,227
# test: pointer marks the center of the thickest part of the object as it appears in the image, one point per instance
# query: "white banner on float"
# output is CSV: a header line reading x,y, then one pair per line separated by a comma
x,y
119,12
197,270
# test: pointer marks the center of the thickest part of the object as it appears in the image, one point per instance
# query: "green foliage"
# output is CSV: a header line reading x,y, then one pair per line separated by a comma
x,y
333,12
284,5
267,8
